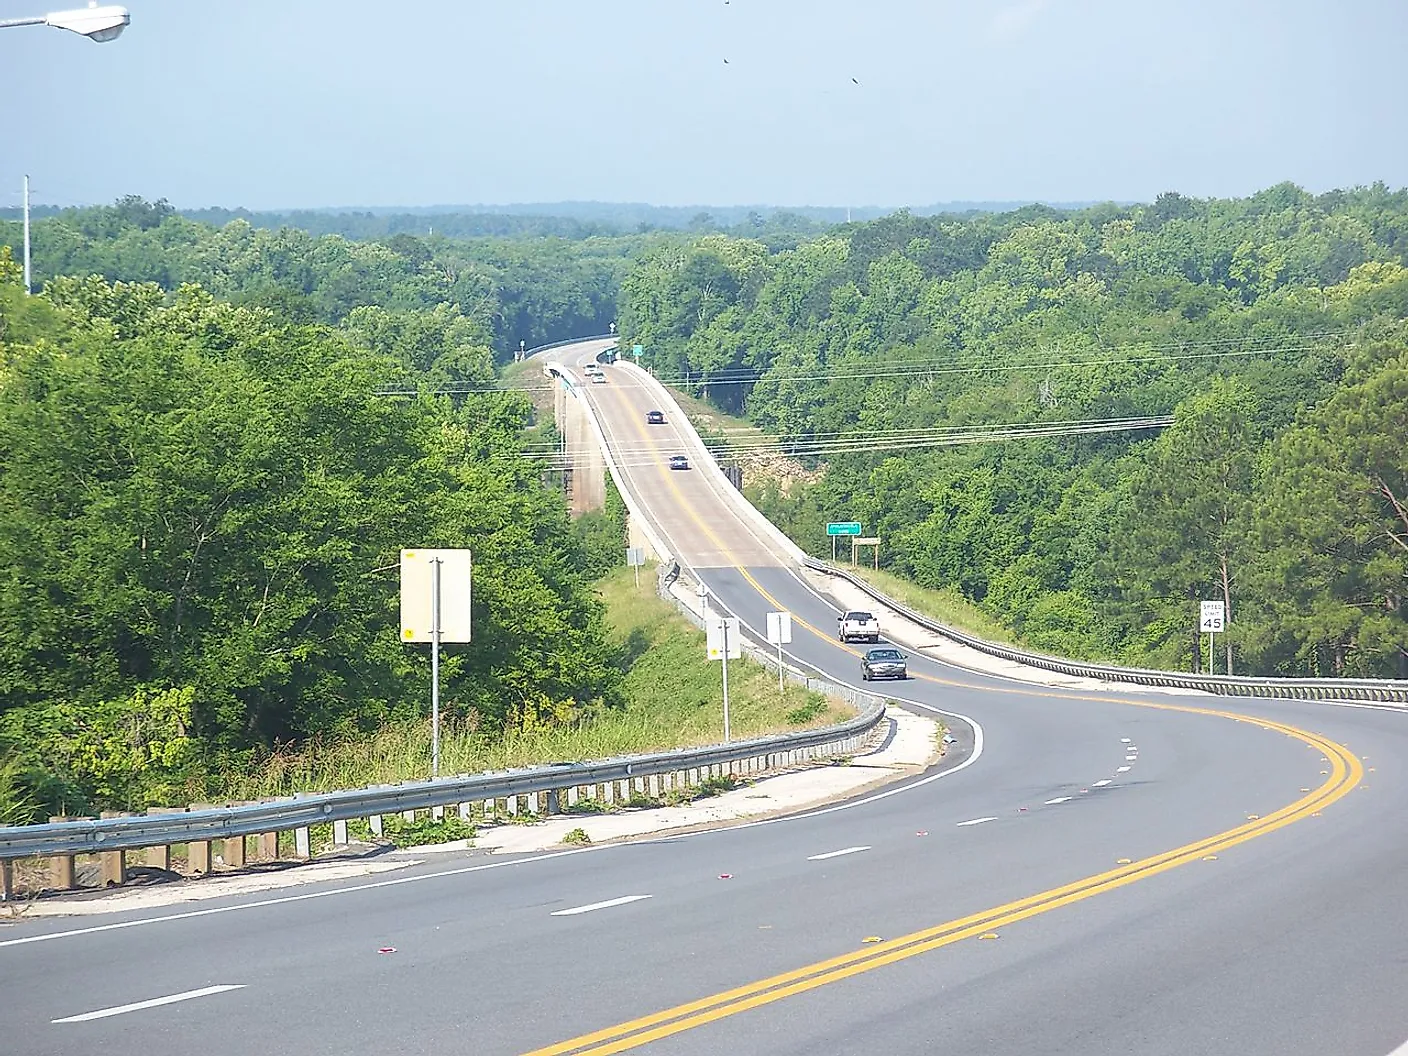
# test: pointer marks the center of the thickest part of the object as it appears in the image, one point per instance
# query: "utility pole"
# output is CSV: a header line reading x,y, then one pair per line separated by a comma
x,y
27,279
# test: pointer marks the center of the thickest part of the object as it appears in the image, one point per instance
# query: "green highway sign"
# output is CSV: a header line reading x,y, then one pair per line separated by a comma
x,y
843,528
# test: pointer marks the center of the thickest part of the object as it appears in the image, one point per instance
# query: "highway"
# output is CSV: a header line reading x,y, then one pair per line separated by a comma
x,y
1086,873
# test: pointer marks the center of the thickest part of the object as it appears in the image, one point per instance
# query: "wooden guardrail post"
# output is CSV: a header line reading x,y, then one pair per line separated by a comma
x,y
234,852
114,863
61,871
160,857
198,851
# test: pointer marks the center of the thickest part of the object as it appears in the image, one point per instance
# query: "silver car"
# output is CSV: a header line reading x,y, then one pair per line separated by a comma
x,y
883,663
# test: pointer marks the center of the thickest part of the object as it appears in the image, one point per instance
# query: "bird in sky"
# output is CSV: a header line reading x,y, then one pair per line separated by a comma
x,y
853,80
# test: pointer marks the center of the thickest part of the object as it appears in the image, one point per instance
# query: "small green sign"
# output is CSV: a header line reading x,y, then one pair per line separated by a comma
x,y
843,528
637,350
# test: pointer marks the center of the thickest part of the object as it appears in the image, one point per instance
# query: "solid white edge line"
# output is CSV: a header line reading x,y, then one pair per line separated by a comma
x,y
593,906
835,854
974,821
286,899
117,1010
1402,1050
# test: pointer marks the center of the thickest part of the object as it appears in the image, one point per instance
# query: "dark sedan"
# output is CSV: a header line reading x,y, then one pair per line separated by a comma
x,y
654,418
883,663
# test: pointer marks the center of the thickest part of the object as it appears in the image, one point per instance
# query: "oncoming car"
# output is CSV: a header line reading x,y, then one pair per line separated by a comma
x,y
679,462
883,663
654,418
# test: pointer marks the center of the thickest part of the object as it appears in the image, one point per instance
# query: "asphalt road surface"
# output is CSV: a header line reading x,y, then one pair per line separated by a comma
x,y
1087,873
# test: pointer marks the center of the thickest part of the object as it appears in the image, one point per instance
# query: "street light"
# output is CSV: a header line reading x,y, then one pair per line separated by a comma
x,y
100,24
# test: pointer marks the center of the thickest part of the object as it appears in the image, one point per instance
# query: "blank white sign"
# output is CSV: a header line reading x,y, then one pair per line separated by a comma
x,y
779,628
417,569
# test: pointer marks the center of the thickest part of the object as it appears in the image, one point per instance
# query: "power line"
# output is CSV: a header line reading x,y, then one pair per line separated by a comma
x,y
636,457
931,368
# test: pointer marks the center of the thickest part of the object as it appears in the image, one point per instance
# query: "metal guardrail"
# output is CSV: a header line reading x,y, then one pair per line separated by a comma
x,y
1386,689
529,352
128,833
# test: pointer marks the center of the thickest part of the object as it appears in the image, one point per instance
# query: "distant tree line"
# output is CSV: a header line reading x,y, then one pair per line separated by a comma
x,y
1272,328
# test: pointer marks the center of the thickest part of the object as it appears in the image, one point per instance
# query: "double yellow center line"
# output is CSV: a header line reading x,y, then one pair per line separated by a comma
x,y
1345,773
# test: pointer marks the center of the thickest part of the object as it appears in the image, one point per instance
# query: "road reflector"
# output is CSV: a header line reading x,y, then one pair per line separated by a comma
x,y
725,876
922,832
1122,861
988,935
1315,814
1305,790
1210,858
872,938
1253,817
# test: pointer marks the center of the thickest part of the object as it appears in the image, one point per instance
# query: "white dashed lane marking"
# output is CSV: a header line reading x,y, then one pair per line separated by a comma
x,y
975,821
1101,784
117,1010
835,854
623,900
1121,769
1058,799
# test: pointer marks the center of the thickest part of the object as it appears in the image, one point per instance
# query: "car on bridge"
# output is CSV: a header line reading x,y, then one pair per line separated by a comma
x,y
598,378
679,462
883,663
654,418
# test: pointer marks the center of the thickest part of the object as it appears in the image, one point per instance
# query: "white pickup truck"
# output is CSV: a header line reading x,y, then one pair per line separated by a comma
x,y
857,626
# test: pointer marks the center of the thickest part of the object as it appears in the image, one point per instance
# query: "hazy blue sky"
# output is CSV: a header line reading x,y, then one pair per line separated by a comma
x,y
279,103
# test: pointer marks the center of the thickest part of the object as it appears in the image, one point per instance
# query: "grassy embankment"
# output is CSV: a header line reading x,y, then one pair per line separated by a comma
x,y
948,606
673,698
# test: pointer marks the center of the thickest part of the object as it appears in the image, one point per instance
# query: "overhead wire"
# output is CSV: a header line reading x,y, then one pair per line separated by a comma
x,y
929,368
634,456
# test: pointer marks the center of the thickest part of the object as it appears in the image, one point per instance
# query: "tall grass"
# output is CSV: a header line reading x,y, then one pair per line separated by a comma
x,y
17,805
947,605
674,700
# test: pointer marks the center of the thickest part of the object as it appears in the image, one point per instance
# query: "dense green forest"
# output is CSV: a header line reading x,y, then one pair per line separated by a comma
x,y
501,291
202,496
1272,328
201,509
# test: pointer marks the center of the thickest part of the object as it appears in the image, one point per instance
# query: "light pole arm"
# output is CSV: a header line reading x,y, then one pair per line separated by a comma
x,y
10,23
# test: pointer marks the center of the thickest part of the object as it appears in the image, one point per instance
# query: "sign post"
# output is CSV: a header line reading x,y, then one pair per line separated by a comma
x,y
839,528
722,642
435,608
635,557
857,541
1212,619
779,634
